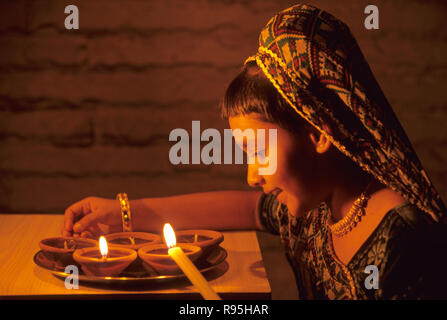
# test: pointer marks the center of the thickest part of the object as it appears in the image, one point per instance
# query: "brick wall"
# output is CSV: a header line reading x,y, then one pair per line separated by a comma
x,y
88,112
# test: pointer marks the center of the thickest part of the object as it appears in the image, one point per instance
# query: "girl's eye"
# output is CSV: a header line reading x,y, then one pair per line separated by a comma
x,y
260,154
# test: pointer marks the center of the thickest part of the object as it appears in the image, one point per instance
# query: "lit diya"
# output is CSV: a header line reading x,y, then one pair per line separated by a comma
x,y
59,250
132,240
156,257
106,262
207,240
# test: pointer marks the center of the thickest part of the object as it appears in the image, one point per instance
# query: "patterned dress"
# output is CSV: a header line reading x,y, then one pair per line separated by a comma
x,y
407,248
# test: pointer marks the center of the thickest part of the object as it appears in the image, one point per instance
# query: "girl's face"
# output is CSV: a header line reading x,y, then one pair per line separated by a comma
x,y
297,172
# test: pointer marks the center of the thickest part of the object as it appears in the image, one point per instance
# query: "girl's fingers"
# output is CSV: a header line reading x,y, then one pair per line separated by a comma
x,y
75,212
93,232
96,231
68,220
86,222
87,234
65,233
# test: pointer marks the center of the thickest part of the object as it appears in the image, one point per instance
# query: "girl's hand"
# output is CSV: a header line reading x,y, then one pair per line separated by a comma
x,y
92,217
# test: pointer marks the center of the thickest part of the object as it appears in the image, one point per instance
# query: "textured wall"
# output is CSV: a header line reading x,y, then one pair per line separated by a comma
x,y
88,112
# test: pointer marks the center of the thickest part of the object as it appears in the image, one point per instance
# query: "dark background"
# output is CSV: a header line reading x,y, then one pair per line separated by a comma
x,y
88,112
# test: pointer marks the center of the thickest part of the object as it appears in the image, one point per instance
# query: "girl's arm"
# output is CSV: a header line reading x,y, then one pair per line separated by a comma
x,y
208,210
218,210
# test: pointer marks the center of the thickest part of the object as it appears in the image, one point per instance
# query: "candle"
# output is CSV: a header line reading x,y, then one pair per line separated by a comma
x,y
188,268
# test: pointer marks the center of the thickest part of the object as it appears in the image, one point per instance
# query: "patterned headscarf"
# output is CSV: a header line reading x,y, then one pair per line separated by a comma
x,y
315,63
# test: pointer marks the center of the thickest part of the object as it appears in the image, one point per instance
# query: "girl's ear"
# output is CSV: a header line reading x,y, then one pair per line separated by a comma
x,y
320,140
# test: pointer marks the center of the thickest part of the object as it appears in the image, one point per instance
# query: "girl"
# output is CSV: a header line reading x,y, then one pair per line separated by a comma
x,y
349,194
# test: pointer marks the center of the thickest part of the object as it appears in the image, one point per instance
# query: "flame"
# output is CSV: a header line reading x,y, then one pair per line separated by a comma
x,y
103,246
169,235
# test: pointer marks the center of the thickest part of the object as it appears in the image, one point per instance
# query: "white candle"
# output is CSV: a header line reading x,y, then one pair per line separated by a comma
x,y
188,268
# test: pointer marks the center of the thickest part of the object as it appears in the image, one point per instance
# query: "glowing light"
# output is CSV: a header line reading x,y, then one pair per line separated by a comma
x,y
169,235
103,247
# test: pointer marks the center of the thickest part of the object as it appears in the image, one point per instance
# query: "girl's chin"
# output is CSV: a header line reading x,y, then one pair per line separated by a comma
x,y
294,205
282,197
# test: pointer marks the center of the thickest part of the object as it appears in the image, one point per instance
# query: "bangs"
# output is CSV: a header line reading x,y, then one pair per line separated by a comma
x,y
252,92
247,93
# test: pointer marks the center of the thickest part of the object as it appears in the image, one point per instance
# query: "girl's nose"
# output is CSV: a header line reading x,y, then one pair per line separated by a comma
x,y
253,177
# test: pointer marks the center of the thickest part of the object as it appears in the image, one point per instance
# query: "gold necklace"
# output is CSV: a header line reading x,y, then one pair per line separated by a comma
x,y
353,217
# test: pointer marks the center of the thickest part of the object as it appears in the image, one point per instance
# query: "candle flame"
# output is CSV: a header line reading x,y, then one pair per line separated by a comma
x,y
103,248
169,235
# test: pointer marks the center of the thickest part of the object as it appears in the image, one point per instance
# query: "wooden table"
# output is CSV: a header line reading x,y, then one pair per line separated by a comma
x,y
243,276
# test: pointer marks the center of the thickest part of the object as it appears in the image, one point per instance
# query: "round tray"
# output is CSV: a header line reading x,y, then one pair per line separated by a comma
x,y
135,273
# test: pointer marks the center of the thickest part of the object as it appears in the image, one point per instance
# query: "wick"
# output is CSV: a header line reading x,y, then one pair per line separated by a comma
x,y
195,237
65,244
132,240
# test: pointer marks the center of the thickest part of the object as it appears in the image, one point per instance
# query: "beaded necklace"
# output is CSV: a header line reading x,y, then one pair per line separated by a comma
x,y
354,216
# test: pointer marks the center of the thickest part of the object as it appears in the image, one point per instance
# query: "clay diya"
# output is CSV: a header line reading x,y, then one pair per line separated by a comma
x,y
132,240
156,257
104,261
207,240
60,250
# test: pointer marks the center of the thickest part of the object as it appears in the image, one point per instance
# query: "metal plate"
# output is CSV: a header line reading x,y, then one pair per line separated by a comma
x,y
135,273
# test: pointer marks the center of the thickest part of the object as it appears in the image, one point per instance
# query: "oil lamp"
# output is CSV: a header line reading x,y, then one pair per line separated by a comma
x,y
132,240
207,240
106,262
60,250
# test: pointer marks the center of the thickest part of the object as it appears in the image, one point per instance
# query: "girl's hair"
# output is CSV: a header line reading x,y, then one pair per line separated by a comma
x,y
252,92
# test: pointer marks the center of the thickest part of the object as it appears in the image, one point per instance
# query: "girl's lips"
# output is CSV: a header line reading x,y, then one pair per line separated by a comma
x,y
276,190
280,195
